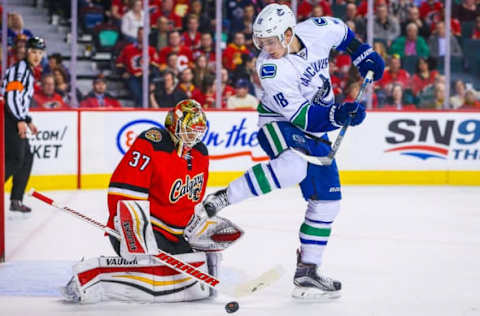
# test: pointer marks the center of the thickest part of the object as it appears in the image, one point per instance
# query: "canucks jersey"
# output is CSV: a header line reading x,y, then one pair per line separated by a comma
x,y
296,82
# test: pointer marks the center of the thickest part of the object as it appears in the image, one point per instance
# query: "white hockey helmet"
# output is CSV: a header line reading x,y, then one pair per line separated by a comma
x,y
272,21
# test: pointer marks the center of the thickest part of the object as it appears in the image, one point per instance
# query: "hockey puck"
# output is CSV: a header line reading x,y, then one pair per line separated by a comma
x,y
232,307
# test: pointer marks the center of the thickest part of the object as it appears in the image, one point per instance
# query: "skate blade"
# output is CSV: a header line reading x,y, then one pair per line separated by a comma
x,y
314,294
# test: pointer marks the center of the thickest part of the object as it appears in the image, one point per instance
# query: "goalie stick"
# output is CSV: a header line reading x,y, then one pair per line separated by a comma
x,y
243,289
327,160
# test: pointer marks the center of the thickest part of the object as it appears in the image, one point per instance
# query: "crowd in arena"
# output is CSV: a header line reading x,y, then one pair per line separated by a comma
x,y
409,35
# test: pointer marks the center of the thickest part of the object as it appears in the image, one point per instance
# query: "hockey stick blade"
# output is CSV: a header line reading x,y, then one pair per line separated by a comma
x,y
265,279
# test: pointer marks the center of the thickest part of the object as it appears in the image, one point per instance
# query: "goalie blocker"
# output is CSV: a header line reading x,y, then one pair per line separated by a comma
x,y
136,275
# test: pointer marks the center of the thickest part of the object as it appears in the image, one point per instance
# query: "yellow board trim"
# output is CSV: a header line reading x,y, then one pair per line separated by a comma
x,y
152,282
223,178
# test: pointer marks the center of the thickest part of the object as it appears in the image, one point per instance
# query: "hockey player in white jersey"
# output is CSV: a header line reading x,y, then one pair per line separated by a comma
x,y
297,108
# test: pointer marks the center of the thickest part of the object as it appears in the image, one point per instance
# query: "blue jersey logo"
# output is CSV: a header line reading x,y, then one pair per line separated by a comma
x,y
268,71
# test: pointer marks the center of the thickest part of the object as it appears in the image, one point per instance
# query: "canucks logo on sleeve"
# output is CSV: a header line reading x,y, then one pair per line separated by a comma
x,y
268,71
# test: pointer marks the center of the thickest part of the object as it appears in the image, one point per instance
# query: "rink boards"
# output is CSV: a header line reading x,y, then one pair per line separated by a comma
x,y
80,148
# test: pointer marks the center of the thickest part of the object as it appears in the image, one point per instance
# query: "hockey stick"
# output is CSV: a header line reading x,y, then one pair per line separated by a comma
x,y
327,160
173,262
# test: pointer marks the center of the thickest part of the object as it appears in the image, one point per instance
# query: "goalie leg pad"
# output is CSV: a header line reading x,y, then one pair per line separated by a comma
x,y
133,223
139,280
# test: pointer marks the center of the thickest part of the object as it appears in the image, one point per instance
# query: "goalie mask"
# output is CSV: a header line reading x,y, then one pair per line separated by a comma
x,y
187,122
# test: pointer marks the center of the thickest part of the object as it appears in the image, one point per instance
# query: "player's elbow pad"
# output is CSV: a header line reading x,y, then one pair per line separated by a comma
x,y
320,119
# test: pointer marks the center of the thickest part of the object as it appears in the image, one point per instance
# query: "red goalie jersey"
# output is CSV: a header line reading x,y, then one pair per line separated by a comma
x,y
152,170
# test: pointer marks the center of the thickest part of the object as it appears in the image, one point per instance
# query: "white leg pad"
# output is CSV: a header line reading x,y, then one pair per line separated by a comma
x,y
140,280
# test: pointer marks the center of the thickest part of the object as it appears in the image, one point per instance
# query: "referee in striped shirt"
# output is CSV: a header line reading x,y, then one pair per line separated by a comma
x,y
17,89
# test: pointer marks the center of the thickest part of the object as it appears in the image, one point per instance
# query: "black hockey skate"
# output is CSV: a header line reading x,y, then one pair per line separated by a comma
x,y
310,284
18,206
216,202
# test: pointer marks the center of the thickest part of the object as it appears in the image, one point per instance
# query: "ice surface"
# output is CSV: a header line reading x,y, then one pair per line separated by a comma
x,y
397,250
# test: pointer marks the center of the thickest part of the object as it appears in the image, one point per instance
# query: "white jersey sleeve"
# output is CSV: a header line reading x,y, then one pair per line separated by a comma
x,y
326,32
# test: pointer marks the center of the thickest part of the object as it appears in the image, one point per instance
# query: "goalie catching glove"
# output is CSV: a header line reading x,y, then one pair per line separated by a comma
x,y
208,234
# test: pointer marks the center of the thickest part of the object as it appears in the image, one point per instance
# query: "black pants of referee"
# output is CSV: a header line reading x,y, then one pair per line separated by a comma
x,y
18,159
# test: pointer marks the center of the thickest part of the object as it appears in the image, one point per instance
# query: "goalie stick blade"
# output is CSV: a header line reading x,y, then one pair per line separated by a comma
x,y
265,279
321,161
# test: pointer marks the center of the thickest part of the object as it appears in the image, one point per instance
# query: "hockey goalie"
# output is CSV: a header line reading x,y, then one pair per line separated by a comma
x,y
151,199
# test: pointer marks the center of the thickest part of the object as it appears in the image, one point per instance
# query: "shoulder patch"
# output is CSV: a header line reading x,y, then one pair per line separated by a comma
x,y
268,71
159,138
153,135
320,21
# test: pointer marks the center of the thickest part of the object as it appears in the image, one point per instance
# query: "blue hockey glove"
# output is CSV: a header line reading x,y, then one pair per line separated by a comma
x,y
355,109
365,58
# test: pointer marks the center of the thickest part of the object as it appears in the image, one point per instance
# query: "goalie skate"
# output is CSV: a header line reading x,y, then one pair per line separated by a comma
x,y
310,284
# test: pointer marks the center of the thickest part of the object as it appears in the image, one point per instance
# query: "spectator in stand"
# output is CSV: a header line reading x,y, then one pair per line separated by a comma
x,y
455,27
129,62
172,11
159,34
187,86
305,8
246,27
172,64
429,8
200,71
185,58
242,100
380,48
47,98
232,55
235,12
400,9
414,17
246,71
394,74
458,99
98,97
191,36
18,51
54,62
385,27
62,86
167,94
423,77
119,8
196,8
395,101
132,21
411,44
15,28
476,30
206,49
337,84
433,96
209,91
351,15
227,90
468,10
471,101
436,43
